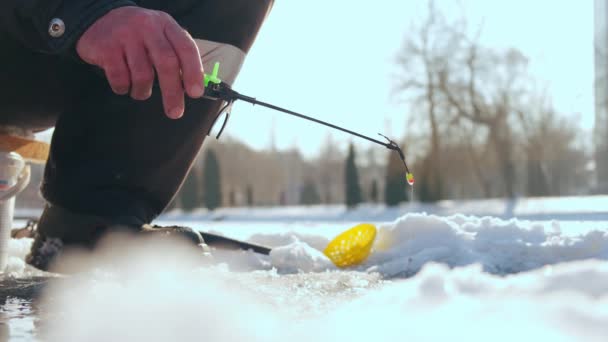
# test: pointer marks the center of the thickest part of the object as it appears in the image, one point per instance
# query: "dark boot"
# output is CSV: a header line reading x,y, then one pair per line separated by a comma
x,y
59,229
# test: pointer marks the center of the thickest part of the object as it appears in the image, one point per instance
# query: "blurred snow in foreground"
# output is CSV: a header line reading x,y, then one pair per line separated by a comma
x,y
429,278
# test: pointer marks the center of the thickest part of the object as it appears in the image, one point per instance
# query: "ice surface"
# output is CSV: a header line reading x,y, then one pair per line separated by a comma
x,y
429,278
537,208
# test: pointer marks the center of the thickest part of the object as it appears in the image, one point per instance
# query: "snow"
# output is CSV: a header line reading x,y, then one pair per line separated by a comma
x,y
299,257
431,276
17,267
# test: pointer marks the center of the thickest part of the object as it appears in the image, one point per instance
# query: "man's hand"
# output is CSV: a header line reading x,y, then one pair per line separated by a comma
x,y
130,43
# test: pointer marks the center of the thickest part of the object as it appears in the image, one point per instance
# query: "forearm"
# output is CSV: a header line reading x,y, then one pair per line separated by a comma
x,y
28,21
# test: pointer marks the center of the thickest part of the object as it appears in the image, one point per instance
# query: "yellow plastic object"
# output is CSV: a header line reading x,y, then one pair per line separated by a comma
x,y
353,246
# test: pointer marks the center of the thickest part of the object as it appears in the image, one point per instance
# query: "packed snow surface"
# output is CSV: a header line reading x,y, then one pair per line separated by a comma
x,y
429,278
537,208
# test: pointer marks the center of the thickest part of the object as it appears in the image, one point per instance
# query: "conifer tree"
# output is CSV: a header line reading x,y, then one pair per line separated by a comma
x,y
395,188
190,191
249,195
374,191
212,185
353,189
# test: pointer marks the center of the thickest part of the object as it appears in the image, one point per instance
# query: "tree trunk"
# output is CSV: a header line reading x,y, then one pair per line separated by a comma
x,y
536,184
501,141
435,184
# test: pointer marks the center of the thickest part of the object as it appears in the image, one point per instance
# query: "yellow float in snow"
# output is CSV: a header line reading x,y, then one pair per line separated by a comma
x,y
353,246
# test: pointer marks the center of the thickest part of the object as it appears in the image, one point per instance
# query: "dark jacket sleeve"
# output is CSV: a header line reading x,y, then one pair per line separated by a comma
x,y
28,21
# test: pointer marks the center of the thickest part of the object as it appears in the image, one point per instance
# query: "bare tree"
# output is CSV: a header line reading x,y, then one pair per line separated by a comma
x,y
476,104
422,56
476,153
601,95
331,182
487,94
555,165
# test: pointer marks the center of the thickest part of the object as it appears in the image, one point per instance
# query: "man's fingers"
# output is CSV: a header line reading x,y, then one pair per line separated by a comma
x,y
131,43
142,73
117,73
189,59
167,67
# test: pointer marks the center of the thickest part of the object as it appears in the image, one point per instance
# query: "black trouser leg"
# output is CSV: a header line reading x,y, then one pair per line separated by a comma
x,y
34,88
124,160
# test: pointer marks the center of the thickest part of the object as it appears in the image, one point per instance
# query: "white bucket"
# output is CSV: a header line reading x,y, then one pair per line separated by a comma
x,y
11,167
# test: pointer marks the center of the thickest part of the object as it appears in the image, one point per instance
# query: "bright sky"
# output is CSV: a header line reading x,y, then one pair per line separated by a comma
x,y
334,60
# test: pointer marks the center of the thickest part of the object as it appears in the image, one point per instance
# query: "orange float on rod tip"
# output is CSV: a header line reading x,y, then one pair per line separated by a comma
x,y
410,178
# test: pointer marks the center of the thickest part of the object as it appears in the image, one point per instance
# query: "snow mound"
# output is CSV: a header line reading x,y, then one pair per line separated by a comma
x,y
404,246
299,257
16,267
501,247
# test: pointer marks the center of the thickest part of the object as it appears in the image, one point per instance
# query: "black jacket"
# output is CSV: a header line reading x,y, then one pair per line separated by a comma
x,y
27,21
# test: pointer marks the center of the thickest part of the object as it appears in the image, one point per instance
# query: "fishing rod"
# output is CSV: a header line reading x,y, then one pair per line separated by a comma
x,y
216,89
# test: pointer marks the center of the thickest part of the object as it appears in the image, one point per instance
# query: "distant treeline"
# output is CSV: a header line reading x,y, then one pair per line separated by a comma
x,y
229,173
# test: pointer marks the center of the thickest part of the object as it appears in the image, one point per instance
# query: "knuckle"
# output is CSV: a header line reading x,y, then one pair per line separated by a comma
x,y
142,77
189,49
146,19
117,76
168,62
114,74
165,16
112,60
173,94
119,83
124,32
105,45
